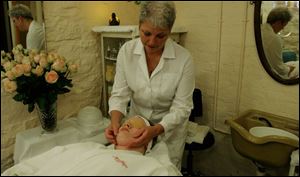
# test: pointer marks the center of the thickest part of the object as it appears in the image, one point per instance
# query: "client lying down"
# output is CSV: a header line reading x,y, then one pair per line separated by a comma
x,y
90,158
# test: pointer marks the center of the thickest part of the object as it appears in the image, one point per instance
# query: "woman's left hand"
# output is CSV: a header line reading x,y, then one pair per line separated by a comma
x,y
145,135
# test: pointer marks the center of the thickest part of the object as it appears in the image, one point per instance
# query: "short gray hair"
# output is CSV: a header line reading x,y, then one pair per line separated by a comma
x,y
20,10
280,13
161,14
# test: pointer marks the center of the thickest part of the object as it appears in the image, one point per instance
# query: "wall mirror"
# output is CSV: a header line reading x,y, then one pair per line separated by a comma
x,y
289,36
13,36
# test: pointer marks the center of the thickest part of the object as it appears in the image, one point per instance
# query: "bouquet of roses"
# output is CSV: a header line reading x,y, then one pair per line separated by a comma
x,y
35,78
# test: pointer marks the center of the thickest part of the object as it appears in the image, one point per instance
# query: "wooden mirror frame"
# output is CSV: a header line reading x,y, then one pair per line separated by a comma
x,y
260,50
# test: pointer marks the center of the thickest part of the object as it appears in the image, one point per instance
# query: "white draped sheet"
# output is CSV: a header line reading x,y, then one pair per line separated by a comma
x,y
94,159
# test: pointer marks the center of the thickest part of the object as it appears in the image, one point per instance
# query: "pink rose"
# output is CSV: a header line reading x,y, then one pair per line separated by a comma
x,y
51,77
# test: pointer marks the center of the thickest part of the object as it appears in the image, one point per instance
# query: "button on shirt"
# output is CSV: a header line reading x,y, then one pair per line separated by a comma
x,y
35,38
166,96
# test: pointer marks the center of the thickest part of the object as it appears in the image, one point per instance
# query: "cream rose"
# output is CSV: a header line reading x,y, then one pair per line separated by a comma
x,y
19,47
51,58
36,58
2,75
10,75
9,86
33,52
38,71
8,66
73,68
18,70
19,58
51,77
43,62
3,60
26,60
59,65
27,68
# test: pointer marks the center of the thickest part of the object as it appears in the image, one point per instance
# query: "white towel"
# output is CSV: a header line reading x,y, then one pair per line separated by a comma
x,y
295,72
94,159
196,133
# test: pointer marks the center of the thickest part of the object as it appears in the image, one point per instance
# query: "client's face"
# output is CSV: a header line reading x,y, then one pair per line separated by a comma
x,y
130,130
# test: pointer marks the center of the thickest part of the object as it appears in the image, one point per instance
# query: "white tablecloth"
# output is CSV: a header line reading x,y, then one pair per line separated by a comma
x,y
31,142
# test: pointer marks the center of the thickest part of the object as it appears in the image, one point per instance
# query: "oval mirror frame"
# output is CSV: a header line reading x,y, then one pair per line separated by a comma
x,y
260,50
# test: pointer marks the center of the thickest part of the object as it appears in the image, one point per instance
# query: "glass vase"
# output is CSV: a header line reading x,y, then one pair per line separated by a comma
x,y
48,118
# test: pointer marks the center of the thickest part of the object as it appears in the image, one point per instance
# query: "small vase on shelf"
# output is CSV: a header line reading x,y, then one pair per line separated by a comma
x,y
48,118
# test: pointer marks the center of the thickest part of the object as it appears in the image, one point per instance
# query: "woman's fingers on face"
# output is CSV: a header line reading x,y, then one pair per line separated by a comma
x,y
109,133
138,133
140,140
115,129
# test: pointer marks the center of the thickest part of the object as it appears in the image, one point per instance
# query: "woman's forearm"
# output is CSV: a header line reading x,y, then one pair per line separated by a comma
x,y
116,116
159,129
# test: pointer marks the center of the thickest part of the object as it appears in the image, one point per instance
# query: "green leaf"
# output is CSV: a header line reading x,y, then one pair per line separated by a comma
x,y
2,68
19,97
63,90
69,84
30,107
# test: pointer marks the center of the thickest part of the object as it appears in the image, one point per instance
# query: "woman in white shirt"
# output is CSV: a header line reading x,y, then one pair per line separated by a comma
x,y
156,75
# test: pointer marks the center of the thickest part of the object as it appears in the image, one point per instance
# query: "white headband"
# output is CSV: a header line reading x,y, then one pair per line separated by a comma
x,y
149,146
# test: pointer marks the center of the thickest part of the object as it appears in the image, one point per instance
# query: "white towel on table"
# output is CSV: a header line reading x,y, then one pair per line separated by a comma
x,y
295,72
196,133
94,159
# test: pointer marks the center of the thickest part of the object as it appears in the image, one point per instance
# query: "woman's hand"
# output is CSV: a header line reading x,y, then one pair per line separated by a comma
x,y
145,135
111,132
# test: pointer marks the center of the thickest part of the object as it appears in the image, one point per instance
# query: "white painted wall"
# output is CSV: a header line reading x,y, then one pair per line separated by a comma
x,y
220,37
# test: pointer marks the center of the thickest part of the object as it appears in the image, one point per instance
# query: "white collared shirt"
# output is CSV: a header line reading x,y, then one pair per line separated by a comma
x,y
272,45
35,38
166,96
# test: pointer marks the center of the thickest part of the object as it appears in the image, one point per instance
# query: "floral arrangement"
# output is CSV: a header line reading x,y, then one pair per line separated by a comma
x,y
36,78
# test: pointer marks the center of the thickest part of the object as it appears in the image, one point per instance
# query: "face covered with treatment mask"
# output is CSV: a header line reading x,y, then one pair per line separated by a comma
x,y
129,131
